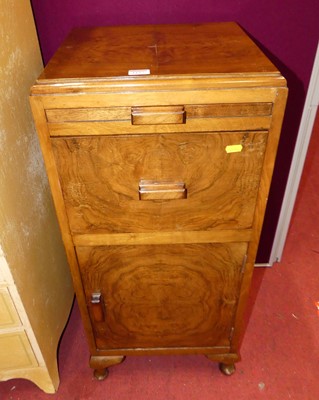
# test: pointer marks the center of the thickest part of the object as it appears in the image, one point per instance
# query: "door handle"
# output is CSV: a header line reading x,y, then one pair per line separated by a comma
x,y
153,190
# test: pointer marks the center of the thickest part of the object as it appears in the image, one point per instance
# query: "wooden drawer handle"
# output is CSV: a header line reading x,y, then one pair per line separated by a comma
x,y
159,115
97,307
152,190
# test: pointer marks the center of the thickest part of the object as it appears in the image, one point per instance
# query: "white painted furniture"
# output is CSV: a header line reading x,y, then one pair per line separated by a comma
x,y
21,356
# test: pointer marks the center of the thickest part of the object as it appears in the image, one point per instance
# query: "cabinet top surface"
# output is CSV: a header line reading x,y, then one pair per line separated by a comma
x,y
165,50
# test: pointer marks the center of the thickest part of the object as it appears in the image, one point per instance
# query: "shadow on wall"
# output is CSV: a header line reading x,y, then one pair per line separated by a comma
x,y
290,127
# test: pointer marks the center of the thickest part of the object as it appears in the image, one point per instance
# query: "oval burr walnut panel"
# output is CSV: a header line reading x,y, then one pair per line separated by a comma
x,y
162,296
100,178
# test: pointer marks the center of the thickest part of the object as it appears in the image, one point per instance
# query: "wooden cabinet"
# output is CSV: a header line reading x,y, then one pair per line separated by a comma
x,y
159,143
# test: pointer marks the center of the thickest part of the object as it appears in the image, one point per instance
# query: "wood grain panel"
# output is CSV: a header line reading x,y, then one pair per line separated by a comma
x,y
120,127
158,115
163,296
88,114
100,181
216,90
116,239
228,110
124,113
196,49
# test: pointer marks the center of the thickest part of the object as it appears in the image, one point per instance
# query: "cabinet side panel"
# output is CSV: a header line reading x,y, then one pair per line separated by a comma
x,y
43,134
268,167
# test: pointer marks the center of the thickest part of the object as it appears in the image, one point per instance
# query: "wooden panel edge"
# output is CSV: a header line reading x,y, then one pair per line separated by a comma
x,y
207,125
156,83
262,198
219,352
191,95
119,239
56,191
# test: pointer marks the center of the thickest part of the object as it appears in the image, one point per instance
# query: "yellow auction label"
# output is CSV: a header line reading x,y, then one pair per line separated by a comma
x,y
234,148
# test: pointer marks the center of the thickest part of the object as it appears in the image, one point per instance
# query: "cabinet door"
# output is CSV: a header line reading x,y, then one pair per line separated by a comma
x,y
192,181
162,296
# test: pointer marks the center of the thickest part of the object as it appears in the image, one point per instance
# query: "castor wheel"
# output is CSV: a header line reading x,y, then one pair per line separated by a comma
x,y
101,374
227,369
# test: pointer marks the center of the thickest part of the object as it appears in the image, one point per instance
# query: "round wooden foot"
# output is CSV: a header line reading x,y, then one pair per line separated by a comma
x,y
227,369
100,365
101,374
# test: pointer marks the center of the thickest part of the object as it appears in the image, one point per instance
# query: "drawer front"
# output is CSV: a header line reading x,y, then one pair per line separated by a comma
x,y
151,183
8,315
159,118
162,296
16,351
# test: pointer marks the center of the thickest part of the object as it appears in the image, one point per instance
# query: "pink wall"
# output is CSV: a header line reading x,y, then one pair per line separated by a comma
x,y
287,30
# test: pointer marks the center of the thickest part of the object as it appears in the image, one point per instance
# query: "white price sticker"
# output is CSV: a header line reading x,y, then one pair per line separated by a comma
x,y
139,72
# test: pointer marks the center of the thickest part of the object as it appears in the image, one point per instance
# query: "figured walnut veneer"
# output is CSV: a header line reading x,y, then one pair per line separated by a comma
x,y
104,196
160,182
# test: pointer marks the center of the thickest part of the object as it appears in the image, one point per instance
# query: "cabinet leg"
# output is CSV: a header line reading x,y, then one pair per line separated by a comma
x,y
100,365
101,374
227,369
226,362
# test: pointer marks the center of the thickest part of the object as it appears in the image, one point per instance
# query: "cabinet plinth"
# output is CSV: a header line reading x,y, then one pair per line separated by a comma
x,y
160,181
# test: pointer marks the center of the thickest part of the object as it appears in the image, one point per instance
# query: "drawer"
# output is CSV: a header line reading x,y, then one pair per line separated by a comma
x,y
160,118
153,183
16,352
8,315
162,296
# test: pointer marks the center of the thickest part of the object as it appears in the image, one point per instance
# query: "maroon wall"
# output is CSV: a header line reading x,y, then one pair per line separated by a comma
x,y
287,30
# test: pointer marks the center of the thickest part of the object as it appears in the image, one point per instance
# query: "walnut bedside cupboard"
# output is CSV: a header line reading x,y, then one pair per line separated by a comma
x,y
159,143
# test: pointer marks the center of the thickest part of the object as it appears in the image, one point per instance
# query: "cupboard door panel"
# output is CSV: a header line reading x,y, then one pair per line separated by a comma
x,y
162,296
101,179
